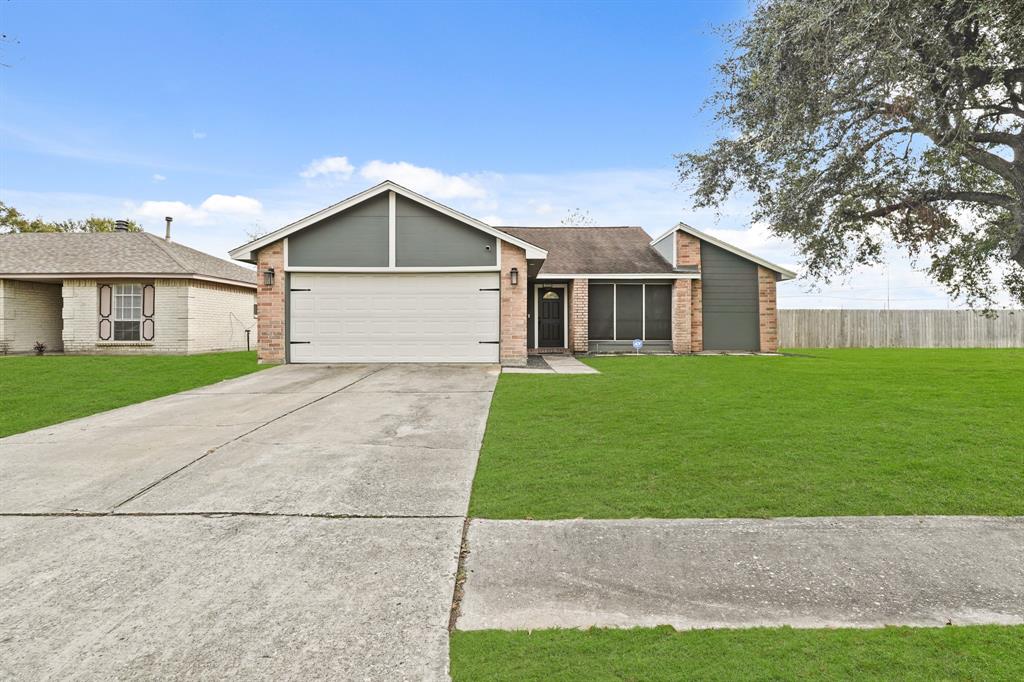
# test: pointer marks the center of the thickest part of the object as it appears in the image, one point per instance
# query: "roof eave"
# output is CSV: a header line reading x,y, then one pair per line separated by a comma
x,y
246,252
784,273
126,275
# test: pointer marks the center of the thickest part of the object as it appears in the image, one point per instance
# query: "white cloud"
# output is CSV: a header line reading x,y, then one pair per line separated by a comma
x,y
217,209
237,204
429,181
158,178
177,209
493,220
197,135
335,166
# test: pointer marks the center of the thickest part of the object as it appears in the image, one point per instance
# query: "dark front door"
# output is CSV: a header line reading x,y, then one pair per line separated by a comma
x,y
550,320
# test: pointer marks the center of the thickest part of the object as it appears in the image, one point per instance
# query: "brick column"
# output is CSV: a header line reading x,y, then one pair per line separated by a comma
x,y
687,249
270,305
579,314
697,316
682,296
513,306
768,314
688,254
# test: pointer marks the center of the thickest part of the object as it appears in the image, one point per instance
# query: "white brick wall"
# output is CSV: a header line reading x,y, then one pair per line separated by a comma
x,y
218,315
29,312
190,316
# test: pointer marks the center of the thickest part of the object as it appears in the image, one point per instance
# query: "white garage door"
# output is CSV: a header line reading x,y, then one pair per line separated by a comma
x,y
443,317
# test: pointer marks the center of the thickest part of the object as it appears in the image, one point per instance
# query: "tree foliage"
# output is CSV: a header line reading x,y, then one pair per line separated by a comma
x,y
854,123
577,217
11,220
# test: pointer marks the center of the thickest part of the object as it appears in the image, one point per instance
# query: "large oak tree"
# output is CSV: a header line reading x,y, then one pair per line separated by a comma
x,y
857,122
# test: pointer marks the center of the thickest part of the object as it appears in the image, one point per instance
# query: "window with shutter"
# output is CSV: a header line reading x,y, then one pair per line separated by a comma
x,y
127,312
106,328
148,303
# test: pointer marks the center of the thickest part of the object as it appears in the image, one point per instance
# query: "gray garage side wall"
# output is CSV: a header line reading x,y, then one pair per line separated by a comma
x,y
427,238
356,237
729,300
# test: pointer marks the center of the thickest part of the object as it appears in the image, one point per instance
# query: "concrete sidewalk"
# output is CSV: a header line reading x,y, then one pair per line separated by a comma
x,y
802,572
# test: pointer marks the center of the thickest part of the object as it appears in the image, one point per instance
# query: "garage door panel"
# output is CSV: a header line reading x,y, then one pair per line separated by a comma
x,y
394,318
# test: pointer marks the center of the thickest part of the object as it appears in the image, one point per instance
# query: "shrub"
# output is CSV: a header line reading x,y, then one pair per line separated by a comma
x,y
39,348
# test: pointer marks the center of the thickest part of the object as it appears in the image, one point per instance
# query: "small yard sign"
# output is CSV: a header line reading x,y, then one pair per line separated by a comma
x,y
637,345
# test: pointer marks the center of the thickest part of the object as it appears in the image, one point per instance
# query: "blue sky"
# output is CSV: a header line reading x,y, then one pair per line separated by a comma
x,y
239,117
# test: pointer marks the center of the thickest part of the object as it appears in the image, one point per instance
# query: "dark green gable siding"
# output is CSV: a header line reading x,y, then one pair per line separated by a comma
x,y
729,290
427,238
356,237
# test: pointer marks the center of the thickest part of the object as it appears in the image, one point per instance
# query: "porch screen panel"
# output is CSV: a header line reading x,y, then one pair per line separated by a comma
x,y
601,314
629,308
658,312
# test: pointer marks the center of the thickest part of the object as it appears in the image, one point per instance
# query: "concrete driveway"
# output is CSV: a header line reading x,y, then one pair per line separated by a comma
x,y
301,522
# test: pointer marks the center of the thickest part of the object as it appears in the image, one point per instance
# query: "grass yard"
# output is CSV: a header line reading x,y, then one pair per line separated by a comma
x,y
960,653
39,391
832,432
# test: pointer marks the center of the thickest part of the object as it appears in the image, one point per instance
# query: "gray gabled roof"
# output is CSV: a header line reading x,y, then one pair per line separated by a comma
x,y
594,250
247,252
111,253
784,273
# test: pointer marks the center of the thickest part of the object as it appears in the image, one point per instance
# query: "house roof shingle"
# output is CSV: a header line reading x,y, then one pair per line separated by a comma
x,y
594,250
115,253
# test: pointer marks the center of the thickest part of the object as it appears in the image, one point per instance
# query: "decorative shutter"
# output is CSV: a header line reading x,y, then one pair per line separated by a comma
x,y
148,302
106,326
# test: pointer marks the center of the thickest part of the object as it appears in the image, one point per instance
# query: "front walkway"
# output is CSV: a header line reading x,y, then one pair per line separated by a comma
x,y
802,572
298,523
552,364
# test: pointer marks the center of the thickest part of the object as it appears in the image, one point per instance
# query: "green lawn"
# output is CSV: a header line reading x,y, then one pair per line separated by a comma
x,y
39,391
951,653
830,432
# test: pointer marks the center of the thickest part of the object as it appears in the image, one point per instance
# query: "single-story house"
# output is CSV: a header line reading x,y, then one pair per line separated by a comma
x,y
389,275
121,292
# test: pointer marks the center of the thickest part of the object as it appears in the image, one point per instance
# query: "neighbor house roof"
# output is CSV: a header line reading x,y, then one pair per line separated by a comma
x,y
595,250
116,254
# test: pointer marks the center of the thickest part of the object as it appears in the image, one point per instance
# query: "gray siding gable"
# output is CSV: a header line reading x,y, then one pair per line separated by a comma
x,y
428,238
664,248
729,299
356,237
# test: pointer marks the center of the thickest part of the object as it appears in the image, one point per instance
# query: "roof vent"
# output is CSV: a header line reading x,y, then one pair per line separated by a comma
x,y
121,225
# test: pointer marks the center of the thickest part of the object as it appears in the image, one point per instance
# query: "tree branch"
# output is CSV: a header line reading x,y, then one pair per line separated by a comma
x,y
912,200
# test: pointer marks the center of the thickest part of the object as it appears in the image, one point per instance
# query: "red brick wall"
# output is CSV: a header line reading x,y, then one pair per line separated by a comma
x,y
270,305
682,297
769,315
579,299
696,317
687,249
513,306
688,253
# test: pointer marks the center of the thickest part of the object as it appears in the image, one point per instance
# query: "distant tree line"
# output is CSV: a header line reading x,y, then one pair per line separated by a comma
x,y
12,221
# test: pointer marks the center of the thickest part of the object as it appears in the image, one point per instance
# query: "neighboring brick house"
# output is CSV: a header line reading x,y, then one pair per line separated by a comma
x,y
389,275
121,292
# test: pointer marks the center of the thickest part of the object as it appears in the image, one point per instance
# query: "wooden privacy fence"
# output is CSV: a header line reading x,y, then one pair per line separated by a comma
x,y
900,329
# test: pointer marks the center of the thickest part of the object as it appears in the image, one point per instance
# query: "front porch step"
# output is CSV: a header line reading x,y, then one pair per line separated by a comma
x,y
547,351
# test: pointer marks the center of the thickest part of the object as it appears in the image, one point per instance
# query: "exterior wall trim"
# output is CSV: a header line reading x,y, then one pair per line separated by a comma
x,y
399,269
126,275
619,275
